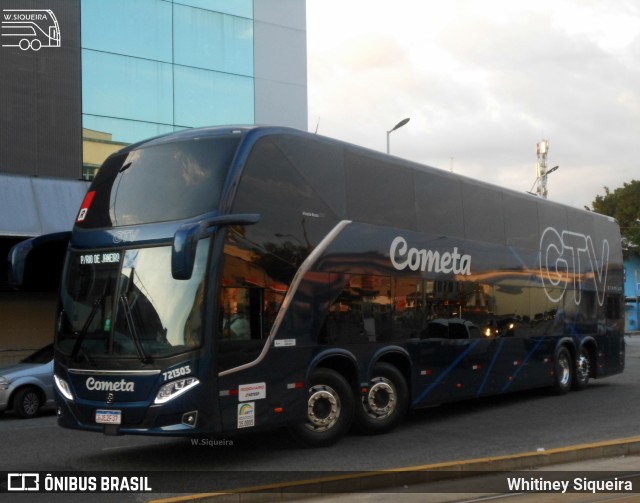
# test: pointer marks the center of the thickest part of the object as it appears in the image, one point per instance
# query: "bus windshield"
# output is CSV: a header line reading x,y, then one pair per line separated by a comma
x,y
127,304
159,183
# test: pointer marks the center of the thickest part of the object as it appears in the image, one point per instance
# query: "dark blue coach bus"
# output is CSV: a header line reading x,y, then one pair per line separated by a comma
x,y
226,279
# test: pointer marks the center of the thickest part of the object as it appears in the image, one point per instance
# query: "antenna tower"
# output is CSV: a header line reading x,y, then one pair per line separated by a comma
x,y
542,148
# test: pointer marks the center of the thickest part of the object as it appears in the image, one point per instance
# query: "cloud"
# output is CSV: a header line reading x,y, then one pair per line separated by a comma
x,y
483,82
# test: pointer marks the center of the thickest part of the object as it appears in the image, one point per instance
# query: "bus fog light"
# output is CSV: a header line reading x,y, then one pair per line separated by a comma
x,y
63,388
190,418
173,389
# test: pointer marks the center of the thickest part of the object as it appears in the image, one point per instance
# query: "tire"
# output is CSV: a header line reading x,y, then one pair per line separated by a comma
x,y
329,410
385,403
27,402
582,370
563,367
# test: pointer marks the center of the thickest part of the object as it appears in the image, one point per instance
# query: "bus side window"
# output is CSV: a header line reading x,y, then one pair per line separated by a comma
x,y
361,313
410,309
613,307
241,333
474,332
458,331
235,314
436,329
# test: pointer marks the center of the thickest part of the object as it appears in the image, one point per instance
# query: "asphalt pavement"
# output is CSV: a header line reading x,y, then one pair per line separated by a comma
x,y
601,471
436,453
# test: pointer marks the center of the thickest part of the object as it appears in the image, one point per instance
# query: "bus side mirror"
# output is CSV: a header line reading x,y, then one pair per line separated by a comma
x,y
185,240
16,262
183,254
25,269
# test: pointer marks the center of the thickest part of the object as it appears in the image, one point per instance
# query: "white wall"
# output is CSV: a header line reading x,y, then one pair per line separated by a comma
x,y
280,62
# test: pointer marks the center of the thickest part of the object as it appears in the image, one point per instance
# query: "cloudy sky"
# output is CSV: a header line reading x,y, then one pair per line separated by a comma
x,y
483,82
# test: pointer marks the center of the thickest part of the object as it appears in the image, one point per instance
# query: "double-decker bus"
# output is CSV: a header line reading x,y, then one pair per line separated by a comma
x,y
232,279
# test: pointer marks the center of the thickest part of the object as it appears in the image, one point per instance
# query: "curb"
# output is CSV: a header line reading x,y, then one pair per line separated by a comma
x,y
397,477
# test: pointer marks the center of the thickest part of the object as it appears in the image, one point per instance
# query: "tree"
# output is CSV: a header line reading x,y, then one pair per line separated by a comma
x,y
623,204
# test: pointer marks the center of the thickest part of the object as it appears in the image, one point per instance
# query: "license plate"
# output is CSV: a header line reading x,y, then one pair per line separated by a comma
x,y
108,416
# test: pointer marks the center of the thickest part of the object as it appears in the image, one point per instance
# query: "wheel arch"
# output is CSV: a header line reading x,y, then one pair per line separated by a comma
x,y
574,350
396,356
342,361
568,343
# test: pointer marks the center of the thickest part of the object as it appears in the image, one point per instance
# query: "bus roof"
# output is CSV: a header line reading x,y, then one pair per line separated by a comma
x,y
252,133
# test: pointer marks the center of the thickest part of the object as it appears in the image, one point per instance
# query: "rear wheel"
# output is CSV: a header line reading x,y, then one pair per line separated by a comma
x,y
583,370
563,371
329,409
385,403
26,403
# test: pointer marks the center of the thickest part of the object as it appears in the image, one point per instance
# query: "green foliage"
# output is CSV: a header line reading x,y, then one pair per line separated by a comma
x,y
624,205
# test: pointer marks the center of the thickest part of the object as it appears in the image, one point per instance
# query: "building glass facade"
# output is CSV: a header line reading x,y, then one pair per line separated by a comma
x,y
123,71
155,66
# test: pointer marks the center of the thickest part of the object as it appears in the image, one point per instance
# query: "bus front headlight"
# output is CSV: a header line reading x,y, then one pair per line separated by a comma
x,y
174,389
63,388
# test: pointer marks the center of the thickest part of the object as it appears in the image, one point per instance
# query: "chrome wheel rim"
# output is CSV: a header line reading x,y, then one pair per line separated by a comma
x,y
381,398
564,370
583,367
323,408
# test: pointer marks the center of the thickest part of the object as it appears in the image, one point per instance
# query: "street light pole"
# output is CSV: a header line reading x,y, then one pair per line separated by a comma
x,y
544,194
397,126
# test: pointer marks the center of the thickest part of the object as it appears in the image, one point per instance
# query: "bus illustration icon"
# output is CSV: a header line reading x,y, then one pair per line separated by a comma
x,y
30,29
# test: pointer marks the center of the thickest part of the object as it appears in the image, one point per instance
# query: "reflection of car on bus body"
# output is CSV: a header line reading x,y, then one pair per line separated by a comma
x,y
367,285
30,29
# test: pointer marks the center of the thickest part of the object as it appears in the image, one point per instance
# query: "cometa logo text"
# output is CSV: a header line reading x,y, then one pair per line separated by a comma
x,y
122,385
428,260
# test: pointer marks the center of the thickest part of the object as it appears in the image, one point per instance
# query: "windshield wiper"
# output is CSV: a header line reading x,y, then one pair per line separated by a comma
x,y
85,329
144,358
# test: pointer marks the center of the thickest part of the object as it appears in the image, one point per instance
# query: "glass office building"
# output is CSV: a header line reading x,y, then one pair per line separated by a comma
x,y
126,70
155,66
106,73
152,66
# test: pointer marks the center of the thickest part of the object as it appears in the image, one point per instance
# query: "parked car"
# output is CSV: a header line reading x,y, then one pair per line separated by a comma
x,y
27,386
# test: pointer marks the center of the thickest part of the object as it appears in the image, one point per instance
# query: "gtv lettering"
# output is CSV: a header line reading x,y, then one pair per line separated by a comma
x,y
428,260
568,257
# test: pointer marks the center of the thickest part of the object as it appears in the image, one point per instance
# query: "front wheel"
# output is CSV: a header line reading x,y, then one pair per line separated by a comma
x,y
26,403
329,409
563,371
385,402
583,370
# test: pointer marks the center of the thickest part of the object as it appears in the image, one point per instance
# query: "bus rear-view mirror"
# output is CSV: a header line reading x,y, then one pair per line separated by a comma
x,y
37,262
185,240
